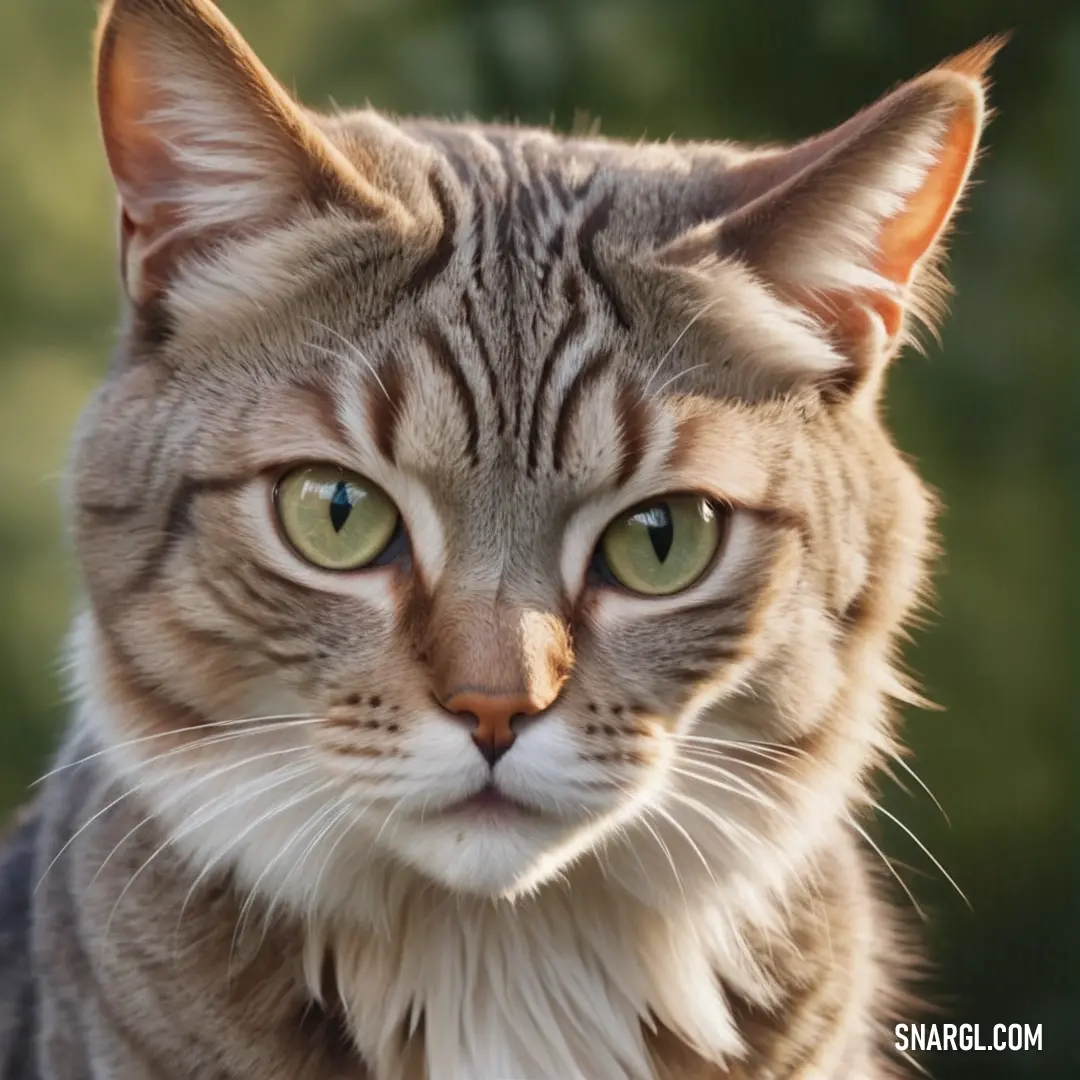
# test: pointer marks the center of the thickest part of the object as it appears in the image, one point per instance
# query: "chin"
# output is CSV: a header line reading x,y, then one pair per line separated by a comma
x,y
498,856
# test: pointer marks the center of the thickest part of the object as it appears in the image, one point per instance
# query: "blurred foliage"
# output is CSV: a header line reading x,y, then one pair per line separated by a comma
x,y
990,414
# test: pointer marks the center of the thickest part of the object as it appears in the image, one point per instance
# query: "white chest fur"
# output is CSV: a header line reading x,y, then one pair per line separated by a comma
x,y
560,984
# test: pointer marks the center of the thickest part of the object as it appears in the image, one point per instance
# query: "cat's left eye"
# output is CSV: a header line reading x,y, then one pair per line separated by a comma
x,y
664,546
334,518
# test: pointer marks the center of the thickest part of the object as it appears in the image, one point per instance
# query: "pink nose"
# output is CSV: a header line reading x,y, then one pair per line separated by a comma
x,y
492,715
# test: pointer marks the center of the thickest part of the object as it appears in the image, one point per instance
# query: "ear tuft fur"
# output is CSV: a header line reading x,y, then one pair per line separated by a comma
x,y
975,62
849,225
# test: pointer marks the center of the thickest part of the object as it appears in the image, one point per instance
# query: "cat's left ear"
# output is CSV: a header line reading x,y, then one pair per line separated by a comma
x,y
848,225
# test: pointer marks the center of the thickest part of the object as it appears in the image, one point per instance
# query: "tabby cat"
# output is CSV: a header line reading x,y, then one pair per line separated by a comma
x,y
493,562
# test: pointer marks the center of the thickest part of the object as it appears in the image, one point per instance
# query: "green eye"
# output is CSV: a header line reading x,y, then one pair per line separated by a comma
x,y
663,547
334,518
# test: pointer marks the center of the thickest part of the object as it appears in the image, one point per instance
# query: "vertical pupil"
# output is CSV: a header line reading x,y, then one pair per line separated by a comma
x,y
661,530
340,506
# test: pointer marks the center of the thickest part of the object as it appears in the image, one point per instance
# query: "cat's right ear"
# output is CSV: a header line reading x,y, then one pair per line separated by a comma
x,y
849,226
201,139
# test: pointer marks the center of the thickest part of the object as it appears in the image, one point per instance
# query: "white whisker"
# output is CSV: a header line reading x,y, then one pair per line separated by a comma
x,y
288,720
224,804
752,794
926,851
919,780
667,854
313,893
221,804
183,792
82,828
705,309
353,348
888,866
345,802
643,820
678,375
729,830
312,823
711,763
191,825
690,840
764,749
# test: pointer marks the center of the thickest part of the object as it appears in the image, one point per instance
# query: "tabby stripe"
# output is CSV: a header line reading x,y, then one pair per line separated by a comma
x,y
177,712
444,357
456,149
228,604
113,1020
326,406
555,253
216,640
570,330
735,613
268,600
147,465
443,251
208,637
526,208
74,955
178,523
504,226
781,520
536,180
715,651
588,375
485,358
857,610
22,1052
151,328
280,582
582,189
688,430
259,620
562,192
632,416
594,224
386,404
110,511
480,242
519,410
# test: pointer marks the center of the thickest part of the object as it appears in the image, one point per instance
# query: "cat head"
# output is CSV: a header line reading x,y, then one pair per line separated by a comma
x,y
481,500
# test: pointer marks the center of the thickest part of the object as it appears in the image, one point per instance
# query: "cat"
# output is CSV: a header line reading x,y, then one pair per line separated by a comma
x,y
494,560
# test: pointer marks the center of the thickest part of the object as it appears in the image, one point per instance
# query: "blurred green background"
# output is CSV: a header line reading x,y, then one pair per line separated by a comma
x,y
990,414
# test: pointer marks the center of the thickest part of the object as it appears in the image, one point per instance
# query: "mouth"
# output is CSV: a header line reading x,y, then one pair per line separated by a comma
x,y
490,803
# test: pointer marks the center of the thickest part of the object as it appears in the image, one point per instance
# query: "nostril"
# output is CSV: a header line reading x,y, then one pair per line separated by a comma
x,y
493,718
520,721
491,739
467,719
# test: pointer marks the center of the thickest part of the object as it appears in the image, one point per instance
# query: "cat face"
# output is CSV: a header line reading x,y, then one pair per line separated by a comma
x,y
479,501
361,535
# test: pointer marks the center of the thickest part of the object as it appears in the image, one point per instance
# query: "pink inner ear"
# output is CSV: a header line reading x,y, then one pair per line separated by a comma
x,y
139,161
138,157
906,237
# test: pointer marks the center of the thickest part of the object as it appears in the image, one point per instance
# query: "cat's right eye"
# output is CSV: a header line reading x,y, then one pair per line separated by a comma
x,y
334,518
